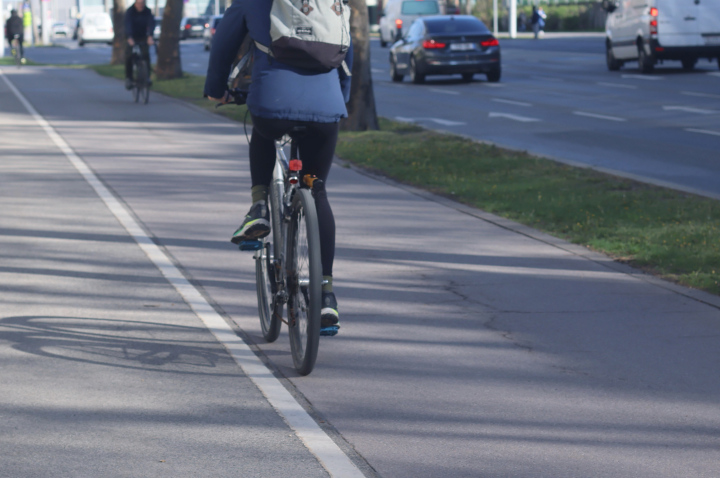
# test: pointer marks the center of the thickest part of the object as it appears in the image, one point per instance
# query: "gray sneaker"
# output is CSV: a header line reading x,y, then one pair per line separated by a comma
x,y
255,225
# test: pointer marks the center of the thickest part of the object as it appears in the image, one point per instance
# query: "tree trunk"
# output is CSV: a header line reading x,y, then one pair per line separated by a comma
x,y
168,57
118,46
362,115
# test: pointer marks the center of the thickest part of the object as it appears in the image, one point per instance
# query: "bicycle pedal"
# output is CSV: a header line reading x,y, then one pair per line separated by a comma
x,y
253,245
329,331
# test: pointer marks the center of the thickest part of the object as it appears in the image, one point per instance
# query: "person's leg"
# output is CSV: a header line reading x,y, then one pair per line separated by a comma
x,y
128,62
20,45
145,52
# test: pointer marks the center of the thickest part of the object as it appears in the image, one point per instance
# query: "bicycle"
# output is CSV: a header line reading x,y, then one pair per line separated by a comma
x,y
140,75
288,268
15,50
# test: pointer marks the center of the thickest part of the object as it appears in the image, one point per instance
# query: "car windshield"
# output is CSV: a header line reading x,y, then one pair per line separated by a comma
x,y
195,21
416,7
456,25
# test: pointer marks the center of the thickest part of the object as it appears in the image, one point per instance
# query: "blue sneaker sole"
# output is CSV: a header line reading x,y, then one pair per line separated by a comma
x,y
329,331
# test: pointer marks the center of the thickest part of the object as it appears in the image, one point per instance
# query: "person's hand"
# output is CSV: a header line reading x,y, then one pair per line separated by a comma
x,y
151,41
131,42
223,101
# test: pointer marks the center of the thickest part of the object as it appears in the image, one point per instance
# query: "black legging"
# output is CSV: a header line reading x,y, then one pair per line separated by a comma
x,y
317,148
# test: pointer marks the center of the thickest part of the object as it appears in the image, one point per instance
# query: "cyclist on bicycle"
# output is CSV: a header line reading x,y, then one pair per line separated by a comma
x,y
280,98
14,29
139,27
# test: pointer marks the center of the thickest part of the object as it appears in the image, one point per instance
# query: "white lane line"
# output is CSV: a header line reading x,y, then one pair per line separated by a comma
x,y
377,70
701,95
688,109
597,116
315,439
445,92
714,73
511,102
643,77
547,78
441,121
494,85
617,85
522,119
703,131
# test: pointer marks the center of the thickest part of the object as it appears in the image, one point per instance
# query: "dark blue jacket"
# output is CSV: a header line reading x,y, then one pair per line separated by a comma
x,y
278,91
139,25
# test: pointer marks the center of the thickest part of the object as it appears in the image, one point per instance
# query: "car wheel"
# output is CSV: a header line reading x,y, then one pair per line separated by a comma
x,y
689,63
394,75
493,76
613,63
646,63
467,77
415,77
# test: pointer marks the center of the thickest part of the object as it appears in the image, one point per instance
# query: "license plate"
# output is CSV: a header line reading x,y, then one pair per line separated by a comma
x,y
462,46
712,40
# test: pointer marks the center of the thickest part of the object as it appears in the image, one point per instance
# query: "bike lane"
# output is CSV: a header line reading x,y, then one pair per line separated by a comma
x,y
470,346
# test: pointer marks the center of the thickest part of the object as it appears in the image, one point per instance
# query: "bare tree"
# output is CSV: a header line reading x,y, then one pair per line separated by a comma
x,y
118,45
362,115
168,58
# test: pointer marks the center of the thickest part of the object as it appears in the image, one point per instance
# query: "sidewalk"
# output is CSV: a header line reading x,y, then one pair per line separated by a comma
x,y
470,346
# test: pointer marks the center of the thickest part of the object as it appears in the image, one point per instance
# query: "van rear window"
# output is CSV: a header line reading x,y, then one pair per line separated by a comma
x,y
417,7
456,25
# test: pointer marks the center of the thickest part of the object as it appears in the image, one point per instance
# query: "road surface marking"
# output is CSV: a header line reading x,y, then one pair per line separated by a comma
x,y
688,109
315,439
702,95
643,77
522,119
547,78
494,85
446,92
703,131
594,115
618,85
714,73
443,122
511,102
377,70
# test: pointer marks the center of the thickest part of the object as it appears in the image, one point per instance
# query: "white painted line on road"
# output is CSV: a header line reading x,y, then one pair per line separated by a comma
x,y
701,95
594,115
643,77
522,119
547,78
511,102
703,131
315,439
445,92
617,85
494,85
688,109
443,122
714,73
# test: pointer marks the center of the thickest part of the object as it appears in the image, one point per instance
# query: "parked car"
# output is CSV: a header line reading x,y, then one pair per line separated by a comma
x,y
192,27
209,32
446,45
158,26
651,31
95,28
60,30
398,15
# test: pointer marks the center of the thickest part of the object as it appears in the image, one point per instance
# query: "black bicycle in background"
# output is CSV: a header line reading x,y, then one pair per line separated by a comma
x,y
140,76
15,49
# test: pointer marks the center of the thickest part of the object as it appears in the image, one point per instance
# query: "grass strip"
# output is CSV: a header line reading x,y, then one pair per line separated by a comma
x,y
662,231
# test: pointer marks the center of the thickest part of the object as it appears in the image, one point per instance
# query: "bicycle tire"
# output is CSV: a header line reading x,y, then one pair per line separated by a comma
x,y
304,281
145,75
136,83
269,308
16,53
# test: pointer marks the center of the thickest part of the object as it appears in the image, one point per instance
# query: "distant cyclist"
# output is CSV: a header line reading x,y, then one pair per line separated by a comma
x,y
14,29
139,27
280,98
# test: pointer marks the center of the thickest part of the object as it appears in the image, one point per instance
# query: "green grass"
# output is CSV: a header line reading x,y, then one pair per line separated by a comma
x,y
665,232
669,233
10,61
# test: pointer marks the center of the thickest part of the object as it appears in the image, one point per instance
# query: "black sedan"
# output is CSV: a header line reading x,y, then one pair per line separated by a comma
x,y
446,45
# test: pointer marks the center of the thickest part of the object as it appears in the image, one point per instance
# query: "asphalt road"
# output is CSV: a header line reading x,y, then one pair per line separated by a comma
x,y
485,350
557,99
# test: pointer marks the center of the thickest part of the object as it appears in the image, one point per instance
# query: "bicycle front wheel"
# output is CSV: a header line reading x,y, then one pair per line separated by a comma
x,y
269,308
141,80
304,281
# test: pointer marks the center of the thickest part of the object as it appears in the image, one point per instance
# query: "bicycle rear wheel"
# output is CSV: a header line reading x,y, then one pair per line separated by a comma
x,y
269,308
304,280
141,82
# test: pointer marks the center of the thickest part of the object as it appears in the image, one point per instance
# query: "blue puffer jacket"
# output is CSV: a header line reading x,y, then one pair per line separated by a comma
x,y
278,91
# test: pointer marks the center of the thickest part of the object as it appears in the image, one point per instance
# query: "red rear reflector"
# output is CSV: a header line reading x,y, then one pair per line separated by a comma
x,y
432,44
653,23
187,27
295,165
653,12
491,42
398,23
659,48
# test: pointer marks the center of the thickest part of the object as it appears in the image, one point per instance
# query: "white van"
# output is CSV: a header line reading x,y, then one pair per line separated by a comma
x,y
398,15
95,28
651,31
